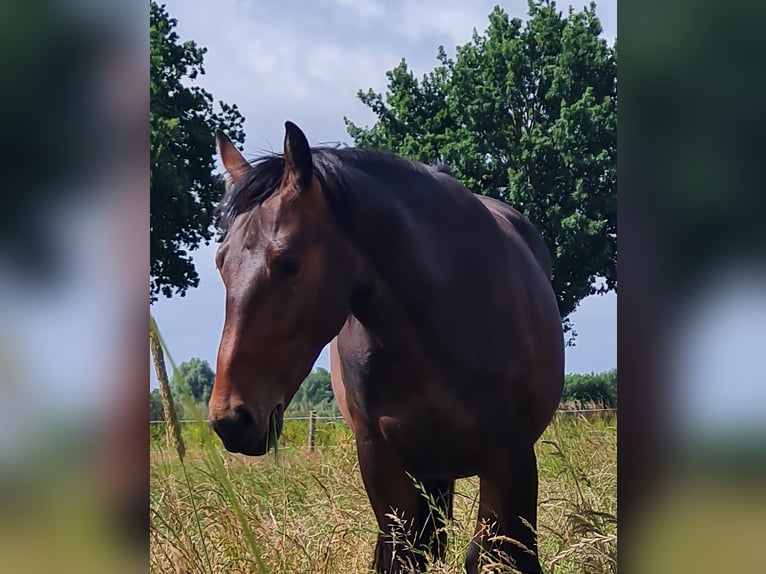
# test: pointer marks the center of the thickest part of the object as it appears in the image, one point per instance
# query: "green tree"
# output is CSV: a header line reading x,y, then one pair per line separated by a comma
x,y
315,393
156,410
597,388
197,377
184,190
527,113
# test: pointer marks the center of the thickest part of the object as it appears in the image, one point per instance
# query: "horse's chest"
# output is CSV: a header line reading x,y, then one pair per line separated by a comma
x,y
432,438
431,425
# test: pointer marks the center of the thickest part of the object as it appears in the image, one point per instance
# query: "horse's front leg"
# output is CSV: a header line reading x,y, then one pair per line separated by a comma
x,y
395,502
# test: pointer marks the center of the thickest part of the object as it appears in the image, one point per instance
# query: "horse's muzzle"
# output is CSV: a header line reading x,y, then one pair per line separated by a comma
x,y
241,433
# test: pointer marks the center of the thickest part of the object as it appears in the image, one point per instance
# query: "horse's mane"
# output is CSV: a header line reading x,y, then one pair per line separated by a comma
x,y
337,168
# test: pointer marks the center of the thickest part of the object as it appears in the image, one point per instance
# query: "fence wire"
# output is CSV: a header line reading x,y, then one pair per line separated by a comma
x,y
340,418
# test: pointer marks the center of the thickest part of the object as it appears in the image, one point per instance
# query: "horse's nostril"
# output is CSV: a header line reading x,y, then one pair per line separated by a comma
x,y
242,417
231,428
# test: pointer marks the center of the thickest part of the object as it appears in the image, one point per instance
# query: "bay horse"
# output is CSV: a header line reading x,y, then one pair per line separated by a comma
x,y
447,345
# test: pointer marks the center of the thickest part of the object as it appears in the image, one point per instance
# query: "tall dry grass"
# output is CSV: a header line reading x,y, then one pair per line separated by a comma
x,y
310,513
212,463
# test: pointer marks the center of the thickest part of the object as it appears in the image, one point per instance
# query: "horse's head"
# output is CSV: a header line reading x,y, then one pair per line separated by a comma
x,y
288,273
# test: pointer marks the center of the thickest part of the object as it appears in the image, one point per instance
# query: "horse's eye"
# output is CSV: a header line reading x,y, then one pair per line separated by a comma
x,y
286,266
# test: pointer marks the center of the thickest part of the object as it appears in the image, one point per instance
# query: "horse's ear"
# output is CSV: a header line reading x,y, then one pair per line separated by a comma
x,y
233,161
298,154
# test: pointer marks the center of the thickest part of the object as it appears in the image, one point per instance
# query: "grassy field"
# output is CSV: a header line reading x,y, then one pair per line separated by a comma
x,y
308,513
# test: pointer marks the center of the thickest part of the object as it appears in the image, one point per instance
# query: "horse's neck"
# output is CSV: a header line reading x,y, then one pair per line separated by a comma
x,y
395,284
384,314
434,254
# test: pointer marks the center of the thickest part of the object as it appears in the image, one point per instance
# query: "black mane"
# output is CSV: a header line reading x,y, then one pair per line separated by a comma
x,y
259,184
336,168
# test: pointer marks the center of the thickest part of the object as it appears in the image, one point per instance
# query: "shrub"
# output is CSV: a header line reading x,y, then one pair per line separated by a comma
x,y
598,388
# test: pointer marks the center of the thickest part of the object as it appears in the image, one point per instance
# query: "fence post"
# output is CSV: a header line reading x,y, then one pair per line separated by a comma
x,y
312,428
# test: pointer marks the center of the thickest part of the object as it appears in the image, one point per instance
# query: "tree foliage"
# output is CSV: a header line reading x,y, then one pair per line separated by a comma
x,y
184,190
591,388
525,112
314,394
196,376
192,380
156,410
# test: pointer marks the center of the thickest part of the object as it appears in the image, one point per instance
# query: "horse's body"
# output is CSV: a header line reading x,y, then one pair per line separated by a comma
x,y
449,358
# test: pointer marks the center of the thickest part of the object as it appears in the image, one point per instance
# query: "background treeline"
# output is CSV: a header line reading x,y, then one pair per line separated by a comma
x,y
316,391
600,389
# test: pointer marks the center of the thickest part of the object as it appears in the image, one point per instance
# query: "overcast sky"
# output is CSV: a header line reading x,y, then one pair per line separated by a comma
x,y
305,61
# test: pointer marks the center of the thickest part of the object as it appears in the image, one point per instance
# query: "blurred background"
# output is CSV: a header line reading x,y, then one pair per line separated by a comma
x,y
74,286
74,243
692,303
